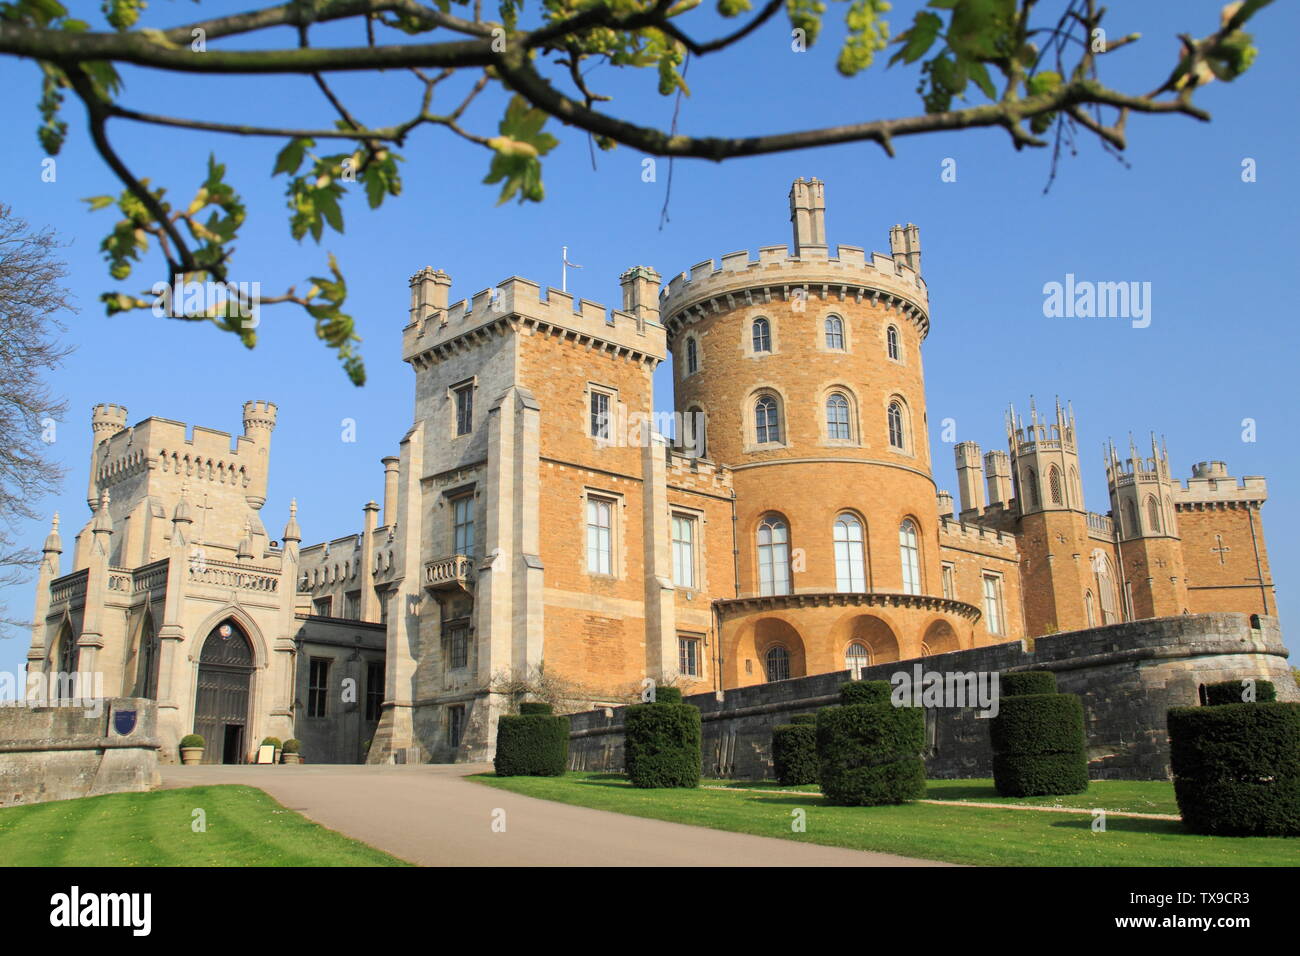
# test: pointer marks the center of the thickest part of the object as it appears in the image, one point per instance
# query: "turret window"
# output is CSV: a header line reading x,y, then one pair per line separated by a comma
x,y
892,345
910,555
837,417
835,333
1054,485
767,420
897,437
762,335
692,357
1153,514
773,556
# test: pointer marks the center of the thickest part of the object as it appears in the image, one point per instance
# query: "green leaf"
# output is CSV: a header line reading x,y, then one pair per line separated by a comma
x,y
289,159
918,40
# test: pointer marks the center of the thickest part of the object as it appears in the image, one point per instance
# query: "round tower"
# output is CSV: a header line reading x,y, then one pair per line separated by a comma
x,y
806,372
106,420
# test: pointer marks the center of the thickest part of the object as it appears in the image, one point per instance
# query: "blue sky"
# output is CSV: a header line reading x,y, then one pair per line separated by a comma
x,y
1220,255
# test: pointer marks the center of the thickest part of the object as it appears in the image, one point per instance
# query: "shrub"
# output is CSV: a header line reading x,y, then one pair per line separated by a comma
x,y
794,752
1230,691
804,719
1038,745
662,744
668,695
271,741
870,754
865,692
1026,682
292,745
534,707
193,740
1237,768
531,745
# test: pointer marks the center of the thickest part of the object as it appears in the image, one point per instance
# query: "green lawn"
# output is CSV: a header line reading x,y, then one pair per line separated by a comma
x,y
245,827
975,835
1134,796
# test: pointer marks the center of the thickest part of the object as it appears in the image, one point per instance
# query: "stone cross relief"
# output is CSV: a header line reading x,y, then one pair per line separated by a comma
x,y
1221,550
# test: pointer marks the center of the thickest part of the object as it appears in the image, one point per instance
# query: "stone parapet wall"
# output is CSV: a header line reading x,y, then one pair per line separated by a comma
x,y
1128,676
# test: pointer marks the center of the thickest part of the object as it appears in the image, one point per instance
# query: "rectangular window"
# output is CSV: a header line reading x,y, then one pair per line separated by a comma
x,y
600,516
949,588
352,605
600,415
993,602
458,649
683,551
688,652
455,724
323,607
318,682
462,522
374,689
464,409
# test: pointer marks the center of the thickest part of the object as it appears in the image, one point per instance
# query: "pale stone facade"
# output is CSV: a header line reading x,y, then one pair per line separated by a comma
x,y
540,535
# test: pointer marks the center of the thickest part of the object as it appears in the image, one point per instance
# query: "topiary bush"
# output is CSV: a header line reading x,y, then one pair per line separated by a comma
x,y
1237,768
1038,745
292,745
1230,691
1026,682
272,742
532,743
869,751
661,742
193,740
794,751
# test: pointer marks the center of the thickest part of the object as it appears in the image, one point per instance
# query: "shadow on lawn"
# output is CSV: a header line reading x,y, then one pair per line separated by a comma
x,y
964,793
1126,825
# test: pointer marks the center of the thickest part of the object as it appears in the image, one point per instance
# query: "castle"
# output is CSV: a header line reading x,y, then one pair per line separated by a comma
x,y
537,527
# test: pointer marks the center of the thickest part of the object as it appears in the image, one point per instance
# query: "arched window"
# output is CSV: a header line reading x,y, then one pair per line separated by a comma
x,y
909,551
897,437
147,674
850,567
1031,479
834,332
856,657
767,421
1105,587
773,556
778,663
837,416
67,663
1134,526
1088,606
1054,484
762,335
692,357
1153,513
892,342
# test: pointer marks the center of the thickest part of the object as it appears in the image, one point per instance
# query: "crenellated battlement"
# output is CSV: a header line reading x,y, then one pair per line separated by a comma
x,y
739,276
700,474
1211,485
953,530
517,300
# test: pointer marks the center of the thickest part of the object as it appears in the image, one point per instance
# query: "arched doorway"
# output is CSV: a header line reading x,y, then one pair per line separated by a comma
x,y
221,703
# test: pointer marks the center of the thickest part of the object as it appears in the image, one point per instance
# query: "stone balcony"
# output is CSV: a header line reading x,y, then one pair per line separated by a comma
x,y
449,574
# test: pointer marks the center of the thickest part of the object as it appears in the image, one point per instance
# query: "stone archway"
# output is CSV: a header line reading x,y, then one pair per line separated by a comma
x,y
222,698
940,638
779,650
871,632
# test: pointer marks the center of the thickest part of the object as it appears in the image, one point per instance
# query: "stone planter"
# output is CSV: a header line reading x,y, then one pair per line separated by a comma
x,y
191,755
291,758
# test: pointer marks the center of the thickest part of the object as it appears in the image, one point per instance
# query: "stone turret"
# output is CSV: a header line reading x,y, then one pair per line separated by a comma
x,y
106,420
970,477
808,215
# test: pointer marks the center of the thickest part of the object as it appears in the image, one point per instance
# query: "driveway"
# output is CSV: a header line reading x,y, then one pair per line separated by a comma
x,y
429,815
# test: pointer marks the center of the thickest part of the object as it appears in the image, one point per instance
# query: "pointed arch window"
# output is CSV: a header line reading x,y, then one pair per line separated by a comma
x,y
692,357
834,332
837,416
1134,525
909,550
1089,608
1153,514
850,566
762,335
147,676
767,420
773,556
897,436
1105,587
67,664
892,344
1054,485
1031,479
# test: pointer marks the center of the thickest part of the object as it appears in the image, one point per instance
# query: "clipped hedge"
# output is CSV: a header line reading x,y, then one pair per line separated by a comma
x,y
1237,768
1022,683
794,751
1038,744
865,692
532,743
1230,691
661,742
869,751
532,707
